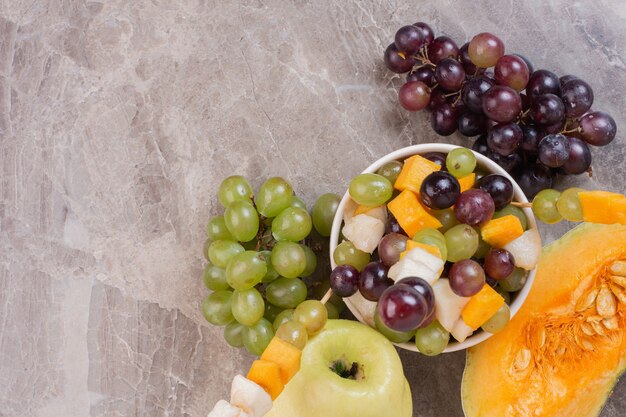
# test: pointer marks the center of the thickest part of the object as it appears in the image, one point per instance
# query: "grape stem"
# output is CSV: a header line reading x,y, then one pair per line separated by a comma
x,y
327,296
522,205
565,132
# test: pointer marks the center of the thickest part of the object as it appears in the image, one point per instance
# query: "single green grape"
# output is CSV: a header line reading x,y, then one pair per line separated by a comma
x,y
248,306
257,337
272,311
216,308
460,162
332,311
215,278
391,170
216,229
506,295
222,251
569,206
234,188
205,248
242,220
498,321
298,202
461,242
275,195
446,217
312,315
515,281
544,206
324,212
370,190
288,259
483,247
271,273
433,237
245,270
293,333
515,211
347,254
311,261
432,339
233,334
286,292
392,335
282,318
293,224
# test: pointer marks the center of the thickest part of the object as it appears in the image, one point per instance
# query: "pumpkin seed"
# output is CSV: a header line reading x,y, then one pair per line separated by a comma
x,y
619,268
605,302
619,292
587,329
522,360
621,281
599,328
587,345
611,323
587,301
541,335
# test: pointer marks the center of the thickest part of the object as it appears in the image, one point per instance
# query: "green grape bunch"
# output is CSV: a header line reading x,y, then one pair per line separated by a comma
x,y
262,253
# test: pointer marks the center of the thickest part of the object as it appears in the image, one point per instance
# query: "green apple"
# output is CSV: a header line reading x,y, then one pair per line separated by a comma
x,y
374,387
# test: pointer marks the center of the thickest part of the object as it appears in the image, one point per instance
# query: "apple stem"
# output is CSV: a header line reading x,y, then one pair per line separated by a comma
x,y
523,205
327,296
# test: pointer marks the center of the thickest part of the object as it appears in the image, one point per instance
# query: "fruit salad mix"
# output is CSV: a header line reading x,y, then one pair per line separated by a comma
x,y
432,216
531,122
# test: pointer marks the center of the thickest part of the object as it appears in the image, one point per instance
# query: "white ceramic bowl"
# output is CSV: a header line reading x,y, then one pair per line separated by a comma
x,y
486,165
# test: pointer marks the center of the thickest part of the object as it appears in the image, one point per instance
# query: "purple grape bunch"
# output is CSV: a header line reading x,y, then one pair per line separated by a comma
x,y
531,122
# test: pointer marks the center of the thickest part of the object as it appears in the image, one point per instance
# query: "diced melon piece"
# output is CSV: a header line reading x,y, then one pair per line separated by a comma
x,y
379,212
285,355
364,232
267,375
225,409
481,307
365,307
499,232
408,267
526,249
448,305
410,213
411,244
414,170
461,330
602,206
467,182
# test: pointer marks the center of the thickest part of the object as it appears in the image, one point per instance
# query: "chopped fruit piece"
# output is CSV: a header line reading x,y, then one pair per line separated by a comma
x,y
603,207
415,169
365,307
250,397
461,330
467,182
267,375
225,409
410,213
409,267
448,305
411,244
379,212
481,307
364,232
285,355
499,232
526,249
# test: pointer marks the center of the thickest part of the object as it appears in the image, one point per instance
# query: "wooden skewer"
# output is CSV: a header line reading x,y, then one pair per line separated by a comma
x,y
523,205
327,296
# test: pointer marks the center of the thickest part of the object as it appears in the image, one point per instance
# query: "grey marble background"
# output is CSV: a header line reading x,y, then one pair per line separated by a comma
x,y
118,120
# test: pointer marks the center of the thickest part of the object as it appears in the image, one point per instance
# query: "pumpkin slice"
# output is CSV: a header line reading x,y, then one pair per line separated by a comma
x,y
410,213
499,232
414,170
564,350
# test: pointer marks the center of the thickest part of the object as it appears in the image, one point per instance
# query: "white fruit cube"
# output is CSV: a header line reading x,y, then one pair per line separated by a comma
x,y
225,409
379,213
433,262
408,267
461,330
366,308
448,305
250,397
364,232
526,249
348,211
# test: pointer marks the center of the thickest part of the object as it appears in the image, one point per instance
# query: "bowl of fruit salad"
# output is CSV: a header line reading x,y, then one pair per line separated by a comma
x,y
434,246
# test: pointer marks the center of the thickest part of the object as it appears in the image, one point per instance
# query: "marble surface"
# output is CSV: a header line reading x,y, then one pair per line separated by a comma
x,y
118,120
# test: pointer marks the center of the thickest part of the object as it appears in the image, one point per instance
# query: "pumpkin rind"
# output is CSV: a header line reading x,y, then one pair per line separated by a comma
x,y
565,349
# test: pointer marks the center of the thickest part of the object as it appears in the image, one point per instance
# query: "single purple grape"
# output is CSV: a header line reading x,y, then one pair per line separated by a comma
x,y
499,263
553,150
373,281
439,190
402,308
505,138
474,207
499,188
466,278
396,62
344,280
579,159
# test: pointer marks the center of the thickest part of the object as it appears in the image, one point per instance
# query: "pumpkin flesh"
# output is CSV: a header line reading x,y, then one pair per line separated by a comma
x,y
564,350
